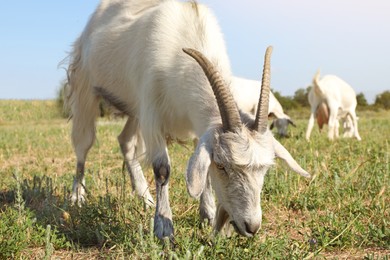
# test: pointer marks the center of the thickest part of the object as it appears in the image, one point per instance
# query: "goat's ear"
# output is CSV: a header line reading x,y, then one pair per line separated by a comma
x,y
198,166
283,154
271,115
272,125
291,122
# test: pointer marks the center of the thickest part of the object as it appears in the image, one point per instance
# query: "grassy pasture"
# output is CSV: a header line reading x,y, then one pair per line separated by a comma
x,y
343,212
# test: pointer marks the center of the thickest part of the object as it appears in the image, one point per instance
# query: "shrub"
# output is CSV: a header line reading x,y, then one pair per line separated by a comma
x,y
383,100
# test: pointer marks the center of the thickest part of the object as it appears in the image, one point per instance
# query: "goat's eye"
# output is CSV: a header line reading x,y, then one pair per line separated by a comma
x,y
220,167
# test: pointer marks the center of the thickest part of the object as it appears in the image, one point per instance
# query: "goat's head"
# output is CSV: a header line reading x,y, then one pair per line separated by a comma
x,y
281,125
237,155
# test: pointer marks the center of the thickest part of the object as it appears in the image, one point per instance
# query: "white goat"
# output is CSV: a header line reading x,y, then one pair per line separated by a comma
x,y
246,94
335,95
138,66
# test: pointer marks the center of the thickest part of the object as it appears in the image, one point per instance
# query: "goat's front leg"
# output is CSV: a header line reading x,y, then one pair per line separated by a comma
x,y
207,200
354,126
310,124
336,129
83,136
333,124
207,204
163,226
221,219
78,194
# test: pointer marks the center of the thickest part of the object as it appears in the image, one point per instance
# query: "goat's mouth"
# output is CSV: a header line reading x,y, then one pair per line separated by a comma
x,y
284,135
239,231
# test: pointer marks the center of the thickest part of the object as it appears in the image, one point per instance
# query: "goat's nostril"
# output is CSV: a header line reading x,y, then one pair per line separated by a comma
x,y
252,227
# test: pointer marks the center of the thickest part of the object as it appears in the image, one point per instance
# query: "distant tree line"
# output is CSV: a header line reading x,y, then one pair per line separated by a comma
x,y
299,100
383,100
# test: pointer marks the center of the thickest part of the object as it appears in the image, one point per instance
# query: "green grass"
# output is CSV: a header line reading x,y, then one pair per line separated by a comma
x,y
16,111
343,212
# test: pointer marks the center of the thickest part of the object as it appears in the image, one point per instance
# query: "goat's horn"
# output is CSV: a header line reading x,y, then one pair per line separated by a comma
x,y
261,121
227,107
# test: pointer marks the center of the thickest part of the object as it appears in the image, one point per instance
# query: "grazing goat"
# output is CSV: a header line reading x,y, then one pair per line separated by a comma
x,y
138,66
330,99
246,94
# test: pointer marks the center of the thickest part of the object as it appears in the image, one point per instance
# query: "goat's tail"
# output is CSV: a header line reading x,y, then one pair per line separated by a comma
x,y
79,98
316,85
74,60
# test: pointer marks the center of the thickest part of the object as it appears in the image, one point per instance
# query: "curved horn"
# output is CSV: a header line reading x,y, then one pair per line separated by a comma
x,y
261,120
227,107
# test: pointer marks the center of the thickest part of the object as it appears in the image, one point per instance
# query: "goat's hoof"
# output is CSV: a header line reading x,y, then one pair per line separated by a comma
x,y
163,227
78,200
148,202
206,221
207,215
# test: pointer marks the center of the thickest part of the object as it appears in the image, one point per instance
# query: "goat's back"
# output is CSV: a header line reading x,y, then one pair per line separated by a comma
x,y
126,53
337,90
246,92
111,12
139,59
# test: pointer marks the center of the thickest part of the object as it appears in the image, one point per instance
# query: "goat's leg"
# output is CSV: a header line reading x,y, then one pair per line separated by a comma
x,y
128,143
333,123
348,126
336,129
163,226
310,124
83,136
221,219
355,125
207,204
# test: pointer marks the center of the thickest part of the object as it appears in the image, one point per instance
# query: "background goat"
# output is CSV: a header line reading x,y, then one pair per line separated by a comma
x,y
138,66
246,94
336,96
322,116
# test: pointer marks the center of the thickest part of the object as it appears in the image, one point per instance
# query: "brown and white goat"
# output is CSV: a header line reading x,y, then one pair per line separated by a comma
x,y
332,99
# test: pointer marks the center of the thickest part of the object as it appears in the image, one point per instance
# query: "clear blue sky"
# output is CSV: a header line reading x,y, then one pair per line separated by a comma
x,y
348,38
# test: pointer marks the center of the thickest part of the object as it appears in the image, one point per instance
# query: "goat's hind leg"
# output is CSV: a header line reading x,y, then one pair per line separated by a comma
x,y
333,123
128,141
83,136
310,124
